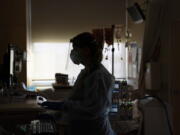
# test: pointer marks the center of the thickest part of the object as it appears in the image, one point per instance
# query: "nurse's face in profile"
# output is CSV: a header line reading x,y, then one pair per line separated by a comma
x,y
81,56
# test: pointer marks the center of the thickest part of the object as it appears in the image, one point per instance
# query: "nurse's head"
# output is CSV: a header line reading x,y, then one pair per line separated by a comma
x,y
86,50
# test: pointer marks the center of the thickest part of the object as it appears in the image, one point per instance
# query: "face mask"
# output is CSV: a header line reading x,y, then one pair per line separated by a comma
x,y
74,55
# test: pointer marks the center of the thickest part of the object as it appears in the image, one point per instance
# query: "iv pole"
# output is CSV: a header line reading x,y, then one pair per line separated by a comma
x,y
126,30
113,50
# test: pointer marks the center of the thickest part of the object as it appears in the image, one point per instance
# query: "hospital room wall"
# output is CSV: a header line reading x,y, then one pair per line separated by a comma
x,y
13,28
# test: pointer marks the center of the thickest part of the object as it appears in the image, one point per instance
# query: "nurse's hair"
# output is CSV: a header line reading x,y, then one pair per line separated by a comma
x,y
87,39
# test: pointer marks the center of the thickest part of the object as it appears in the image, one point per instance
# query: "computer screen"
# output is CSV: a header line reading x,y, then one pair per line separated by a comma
x,y
11,62
117,84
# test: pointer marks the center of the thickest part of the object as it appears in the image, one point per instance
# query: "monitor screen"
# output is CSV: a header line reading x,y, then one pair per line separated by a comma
x,y
116,84
11,51
114,108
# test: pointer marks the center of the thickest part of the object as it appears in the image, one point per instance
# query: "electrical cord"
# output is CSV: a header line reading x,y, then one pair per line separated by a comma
x,y
165,108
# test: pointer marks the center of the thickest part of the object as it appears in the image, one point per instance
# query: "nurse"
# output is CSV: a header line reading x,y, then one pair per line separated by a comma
x,y
88,107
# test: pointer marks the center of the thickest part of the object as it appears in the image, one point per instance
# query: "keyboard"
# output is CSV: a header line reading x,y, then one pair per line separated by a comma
x,y
42,127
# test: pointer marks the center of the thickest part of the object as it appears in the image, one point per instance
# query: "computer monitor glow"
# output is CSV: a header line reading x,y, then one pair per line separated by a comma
x,y
11,61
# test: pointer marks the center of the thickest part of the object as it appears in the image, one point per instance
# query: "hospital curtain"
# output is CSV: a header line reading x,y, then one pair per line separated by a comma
x,y
152,44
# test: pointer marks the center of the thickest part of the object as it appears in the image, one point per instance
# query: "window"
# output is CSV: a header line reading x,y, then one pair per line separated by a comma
x,y
51,58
